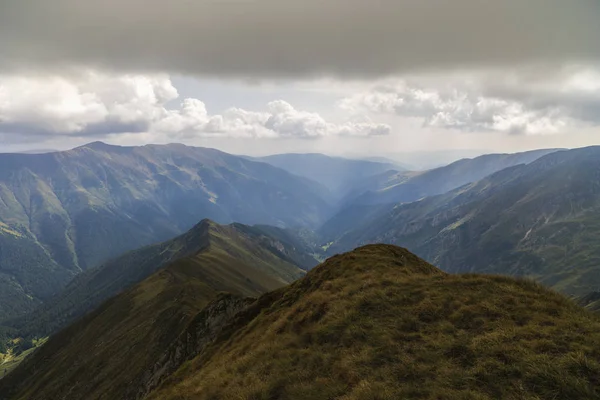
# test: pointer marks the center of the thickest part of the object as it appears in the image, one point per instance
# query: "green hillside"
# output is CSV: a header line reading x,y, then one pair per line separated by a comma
x,y
110,352
539,220
65,212
86,292
380,323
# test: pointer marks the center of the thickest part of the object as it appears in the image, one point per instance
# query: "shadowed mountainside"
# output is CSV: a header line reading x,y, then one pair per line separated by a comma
x,y
64,212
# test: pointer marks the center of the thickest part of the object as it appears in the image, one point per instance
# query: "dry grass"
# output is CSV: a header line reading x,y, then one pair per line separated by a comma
x,y
379,323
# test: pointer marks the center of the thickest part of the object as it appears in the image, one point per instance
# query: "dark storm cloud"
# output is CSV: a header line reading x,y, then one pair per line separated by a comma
x,y
270,38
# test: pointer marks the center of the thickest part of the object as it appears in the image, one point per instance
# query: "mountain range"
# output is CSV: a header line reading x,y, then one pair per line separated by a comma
x,y
538,220
63,213
402,187
100,250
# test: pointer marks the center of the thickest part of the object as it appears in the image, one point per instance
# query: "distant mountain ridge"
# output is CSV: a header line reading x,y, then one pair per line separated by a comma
x,y
405,188
64,212
379,192
539,220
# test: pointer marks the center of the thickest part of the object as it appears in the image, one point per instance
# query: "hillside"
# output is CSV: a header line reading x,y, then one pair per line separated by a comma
x,y
404,188
539,220
380,323
107,353
63,213
338,174
259,245
375,323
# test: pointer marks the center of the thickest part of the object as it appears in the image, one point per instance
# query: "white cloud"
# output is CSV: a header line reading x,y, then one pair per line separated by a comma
x,y
281,120
513,103
85,104
98,104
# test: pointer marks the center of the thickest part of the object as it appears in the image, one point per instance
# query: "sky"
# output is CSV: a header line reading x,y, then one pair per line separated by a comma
x,y
257,77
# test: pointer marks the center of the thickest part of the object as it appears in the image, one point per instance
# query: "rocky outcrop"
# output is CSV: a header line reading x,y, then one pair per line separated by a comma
x,y
201,332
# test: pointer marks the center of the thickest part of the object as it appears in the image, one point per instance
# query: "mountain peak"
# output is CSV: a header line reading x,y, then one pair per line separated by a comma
x,y
97,145
205,223
105,147
382,258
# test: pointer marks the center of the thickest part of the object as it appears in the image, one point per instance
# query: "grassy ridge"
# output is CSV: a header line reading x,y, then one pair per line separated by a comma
x,y
107,353
379,323
92,287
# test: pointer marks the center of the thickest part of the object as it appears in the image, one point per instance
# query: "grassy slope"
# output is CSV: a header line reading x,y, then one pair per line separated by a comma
x,y
93,287
9,362
379,323
105,353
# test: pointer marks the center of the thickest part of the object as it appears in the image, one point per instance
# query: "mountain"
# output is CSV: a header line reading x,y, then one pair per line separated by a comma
x,y
540,220
376,194
375,323
106,354
404,188
336,173
263,247
65,212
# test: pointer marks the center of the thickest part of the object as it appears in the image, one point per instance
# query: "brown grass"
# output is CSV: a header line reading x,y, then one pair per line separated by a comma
x,y
379,323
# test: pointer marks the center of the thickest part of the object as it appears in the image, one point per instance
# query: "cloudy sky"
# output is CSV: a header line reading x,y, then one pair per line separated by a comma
x,y
378,77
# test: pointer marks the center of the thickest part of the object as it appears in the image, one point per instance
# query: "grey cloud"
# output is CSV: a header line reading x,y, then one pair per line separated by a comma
x,y
282,38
